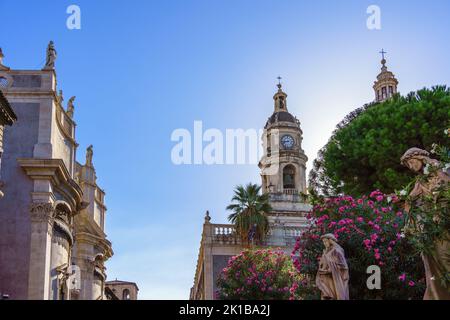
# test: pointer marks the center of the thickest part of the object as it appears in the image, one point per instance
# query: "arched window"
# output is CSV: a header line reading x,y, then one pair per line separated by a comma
x,y
289,177
126,294
384,92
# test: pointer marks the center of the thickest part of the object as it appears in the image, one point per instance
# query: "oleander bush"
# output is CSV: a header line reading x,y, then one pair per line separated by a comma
x,y
370,231
260,275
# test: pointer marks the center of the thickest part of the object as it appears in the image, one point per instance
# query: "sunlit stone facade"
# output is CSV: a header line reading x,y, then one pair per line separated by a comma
x,y
53,245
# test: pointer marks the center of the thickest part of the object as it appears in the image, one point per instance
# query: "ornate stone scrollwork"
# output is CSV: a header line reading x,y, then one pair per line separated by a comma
x,y
42,212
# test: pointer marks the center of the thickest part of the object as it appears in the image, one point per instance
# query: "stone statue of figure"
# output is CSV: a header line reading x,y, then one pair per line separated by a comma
x,y
332,276
89,155
437,261
60,97
70,107
51,56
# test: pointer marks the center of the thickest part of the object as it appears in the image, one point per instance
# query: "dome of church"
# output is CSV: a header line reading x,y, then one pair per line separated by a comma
x,y
281,116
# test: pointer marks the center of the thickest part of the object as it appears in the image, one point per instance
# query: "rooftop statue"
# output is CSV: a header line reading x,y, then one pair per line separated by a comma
x,y
89,155
51,56
70,107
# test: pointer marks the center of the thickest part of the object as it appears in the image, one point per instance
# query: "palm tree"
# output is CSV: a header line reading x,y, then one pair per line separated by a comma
x,y
249,209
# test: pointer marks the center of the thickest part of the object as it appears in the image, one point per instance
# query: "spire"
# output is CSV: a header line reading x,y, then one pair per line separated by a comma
x,y
280,98
383,60
386,84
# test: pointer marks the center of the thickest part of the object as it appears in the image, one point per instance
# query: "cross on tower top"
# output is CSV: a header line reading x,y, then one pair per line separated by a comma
x,y
279,82
382,53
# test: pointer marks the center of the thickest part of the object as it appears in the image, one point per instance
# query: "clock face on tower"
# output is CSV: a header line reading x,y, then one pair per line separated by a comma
x,y
287,142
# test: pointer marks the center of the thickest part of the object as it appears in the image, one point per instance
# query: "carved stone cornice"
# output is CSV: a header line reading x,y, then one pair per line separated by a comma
x,y
56,172
104,245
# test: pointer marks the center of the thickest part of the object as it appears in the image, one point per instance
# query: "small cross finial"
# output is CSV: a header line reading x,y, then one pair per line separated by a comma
x,y
382,53
279,82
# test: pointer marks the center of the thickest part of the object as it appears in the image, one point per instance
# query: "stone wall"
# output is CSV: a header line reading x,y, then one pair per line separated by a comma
x,y
14,206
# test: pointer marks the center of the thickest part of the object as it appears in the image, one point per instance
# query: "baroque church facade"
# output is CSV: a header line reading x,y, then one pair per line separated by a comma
x,y
52,216
283,177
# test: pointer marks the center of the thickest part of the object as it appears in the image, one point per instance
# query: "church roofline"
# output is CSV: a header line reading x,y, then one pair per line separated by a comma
x,y
112,282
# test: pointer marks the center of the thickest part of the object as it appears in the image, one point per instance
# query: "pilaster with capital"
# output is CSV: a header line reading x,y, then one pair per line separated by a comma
x,y
42,218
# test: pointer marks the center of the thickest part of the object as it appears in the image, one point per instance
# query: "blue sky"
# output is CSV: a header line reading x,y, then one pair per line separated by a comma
x,y
141,69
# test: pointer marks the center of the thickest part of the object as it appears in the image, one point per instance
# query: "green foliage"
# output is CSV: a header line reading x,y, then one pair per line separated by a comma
x,y
429,221
364,152
369,229
259,275
249,209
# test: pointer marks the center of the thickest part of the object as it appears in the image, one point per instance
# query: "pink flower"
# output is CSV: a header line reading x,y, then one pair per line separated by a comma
x,y
375,193
360,201
360,219
402,277
379,198
411,283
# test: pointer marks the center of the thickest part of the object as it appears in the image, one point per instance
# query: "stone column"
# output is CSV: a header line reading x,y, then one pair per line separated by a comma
x,y
207,260
277,238
42,217
87,279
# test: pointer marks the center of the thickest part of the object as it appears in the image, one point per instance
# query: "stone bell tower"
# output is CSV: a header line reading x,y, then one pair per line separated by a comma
x,y
283,166
386,84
